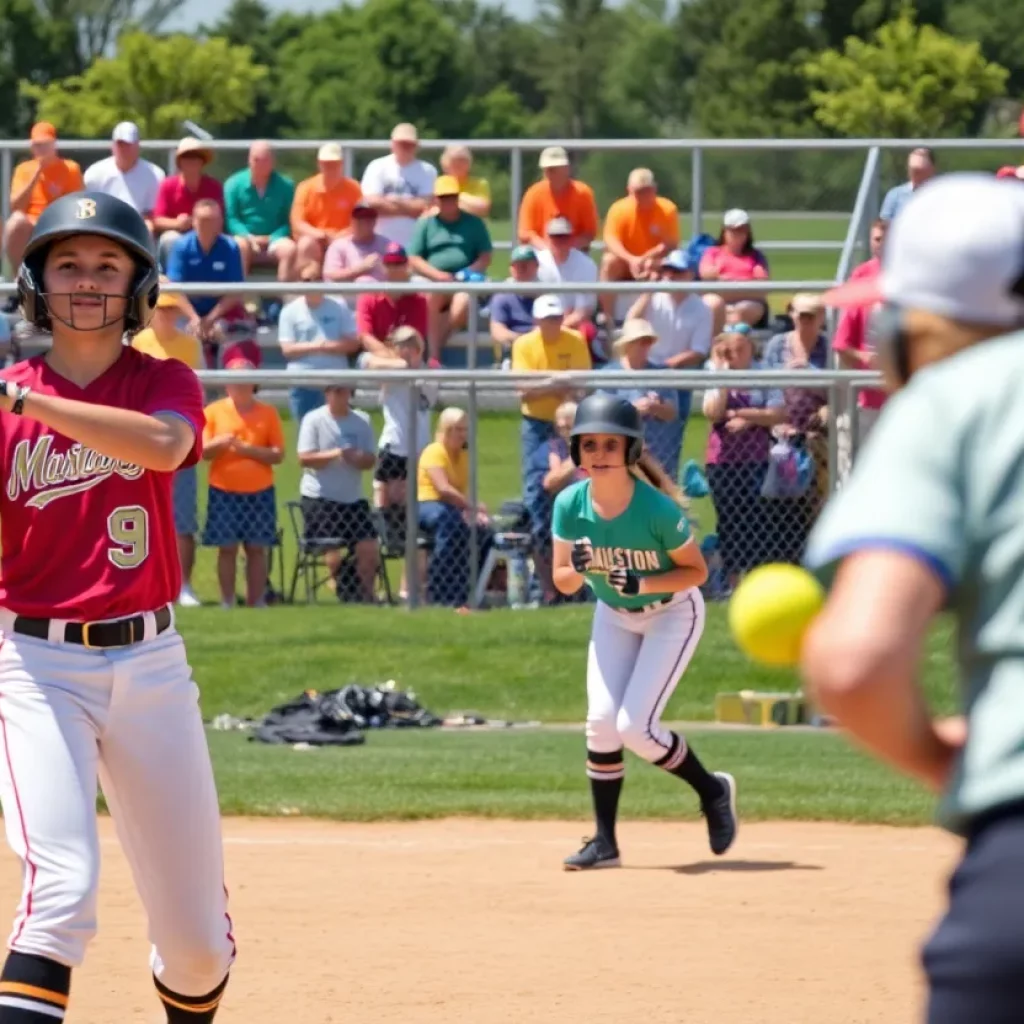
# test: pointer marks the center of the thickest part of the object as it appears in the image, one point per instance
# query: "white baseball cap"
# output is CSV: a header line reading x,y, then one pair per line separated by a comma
x,y
547,305
735,218
126,131
956,249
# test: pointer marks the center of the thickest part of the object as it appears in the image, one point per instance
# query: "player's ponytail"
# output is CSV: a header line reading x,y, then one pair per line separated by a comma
x,y
651,471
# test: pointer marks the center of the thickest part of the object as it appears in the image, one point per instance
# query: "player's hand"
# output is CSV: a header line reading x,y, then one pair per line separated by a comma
x,y
624,580
582,555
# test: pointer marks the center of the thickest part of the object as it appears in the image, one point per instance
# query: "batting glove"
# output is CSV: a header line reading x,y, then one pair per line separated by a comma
x,y
582,555
625,581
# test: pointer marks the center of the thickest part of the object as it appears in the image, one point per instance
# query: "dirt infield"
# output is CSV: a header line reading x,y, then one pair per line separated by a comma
x,y
473,921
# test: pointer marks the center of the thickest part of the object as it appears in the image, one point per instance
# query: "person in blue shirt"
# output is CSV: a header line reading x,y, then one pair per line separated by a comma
x,y
512,315
920,168
205,255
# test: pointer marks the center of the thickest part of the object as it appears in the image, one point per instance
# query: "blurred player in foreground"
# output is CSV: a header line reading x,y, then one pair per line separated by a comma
x,y
94,679
932,519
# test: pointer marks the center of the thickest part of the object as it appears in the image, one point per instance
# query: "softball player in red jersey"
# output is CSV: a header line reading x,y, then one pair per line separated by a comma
x,y
94,681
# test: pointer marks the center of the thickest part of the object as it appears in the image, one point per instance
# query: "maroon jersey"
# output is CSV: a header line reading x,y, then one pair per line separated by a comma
x,y
86,537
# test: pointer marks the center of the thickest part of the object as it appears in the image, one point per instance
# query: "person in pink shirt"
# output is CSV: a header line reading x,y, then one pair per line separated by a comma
x,y
357,256
734,258
853,346
178,194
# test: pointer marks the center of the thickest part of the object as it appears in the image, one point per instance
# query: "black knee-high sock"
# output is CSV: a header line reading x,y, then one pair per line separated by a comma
x,y
190,1009
606,772
682,762
33,990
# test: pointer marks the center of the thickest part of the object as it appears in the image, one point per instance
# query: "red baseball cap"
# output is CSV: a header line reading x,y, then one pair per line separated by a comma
x,y
246,351
395,253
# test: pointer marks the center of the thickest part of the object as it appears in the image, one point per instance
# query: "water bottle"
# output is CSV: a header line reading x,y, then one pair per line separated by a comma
x,y
517,581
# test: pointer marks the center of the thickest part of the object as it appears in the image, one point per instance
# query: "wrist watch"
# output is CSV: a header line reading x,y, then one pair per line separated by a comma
x,y
17,392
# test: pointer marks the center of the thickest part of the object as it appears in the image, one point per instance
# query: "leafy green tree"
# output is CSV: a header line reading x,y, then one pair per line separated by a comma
x,y
998,25
156,82
907,80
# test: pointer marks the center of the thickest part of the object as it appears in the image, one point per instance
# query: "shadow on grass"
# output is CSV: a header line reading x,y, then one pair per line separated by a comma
x,y
707,867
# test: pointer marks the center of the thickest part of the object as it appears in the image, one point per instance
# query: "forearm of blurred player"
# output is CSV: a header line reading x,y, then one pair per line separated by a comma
x,y
157,443
861,658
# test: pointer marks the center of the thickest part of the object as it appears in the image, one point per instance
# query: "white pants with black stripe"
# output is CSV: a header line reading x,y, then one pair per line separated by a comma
x,y
635,661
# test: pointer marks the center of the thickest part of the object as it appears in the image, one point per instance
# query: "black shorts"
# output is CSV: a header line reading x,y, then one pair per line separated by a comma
x,y
347,524
390,466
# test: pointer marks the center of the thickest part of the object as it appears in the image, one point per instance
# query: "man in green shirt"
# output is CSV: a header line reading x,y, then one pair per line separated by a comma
x,y
258,203
932,519
451,245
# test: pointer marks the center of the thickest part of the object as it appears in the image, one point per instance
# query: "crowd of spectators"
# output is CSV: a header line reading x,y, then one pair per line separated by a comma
x,y
406,222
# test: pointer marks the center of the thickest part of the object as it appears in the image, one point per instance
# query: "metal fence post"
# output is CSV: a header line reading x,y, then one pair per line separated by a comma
x,y
473,327
412,518
515,187
696,191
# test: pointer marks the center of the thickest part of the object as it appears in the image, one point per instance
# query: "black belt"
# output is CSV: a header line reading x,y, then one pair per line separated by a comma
x,y
96,635
648,607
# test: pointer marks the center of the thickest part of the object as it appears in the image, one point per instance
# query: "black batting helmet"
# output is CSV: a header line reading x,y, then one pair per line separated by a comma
x,y
605,414
90,213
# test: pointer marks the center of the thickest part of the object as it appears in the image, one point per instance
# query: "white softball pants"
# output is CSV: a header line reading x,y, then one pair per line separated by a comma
x,y
635,661
130,718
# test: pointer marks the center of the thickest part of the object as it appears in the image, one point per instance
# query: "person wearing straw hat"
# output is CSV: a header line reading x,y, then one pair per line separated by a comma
x,y
657,406
162,340
930,523
178,194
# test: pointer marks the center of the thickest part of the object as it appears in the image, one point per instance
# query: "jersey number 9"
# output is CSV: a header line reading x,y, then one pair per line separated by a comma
x,y
128,528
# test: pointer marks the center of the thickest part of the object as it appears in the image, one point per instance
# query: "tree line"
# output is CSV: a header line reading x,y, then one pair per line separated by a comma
x,y
580,68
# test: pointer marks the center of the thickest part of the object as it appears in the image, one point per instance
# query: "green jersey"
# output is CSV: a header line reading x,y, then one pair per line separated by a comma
x,y
639,539
942,478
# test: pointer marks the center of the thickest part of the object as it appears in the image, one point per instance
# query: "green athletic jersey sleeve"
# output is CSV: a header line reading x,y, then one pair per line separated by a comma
x,y
639,539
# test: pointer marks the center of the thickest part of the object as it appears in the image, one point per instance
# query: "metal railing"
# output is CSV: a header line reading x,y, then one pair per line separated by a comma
x,y
697,149
455,565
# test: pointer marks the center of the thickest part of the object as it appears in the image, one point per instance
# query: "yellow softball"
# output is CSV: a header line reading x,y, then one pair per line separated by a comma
x,y
771,610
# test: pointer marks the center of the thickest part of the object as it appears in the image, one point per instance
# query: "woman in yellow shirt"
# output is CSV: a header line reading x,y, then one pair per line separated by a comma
x,y
474,193
442,489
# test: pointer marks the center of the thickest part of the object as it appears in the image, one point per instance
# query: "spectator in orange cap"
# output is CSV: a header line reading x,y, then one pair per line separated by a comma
x,y
639,231
35,184
323,205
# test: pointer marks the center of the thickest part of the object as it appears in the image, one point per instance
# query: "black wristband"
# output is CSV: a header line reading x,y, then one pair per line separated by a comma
x,y
21,394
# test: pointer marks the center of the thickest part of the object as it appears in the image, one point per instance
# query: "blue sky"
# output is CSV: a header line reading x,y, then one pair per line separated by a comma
x,y
196,11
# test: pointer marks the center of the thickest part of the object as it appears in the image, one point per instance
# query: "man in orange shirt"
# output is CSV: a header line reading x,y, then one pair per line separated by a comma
x,y
558,195
35,184
322,210
243,441
640,229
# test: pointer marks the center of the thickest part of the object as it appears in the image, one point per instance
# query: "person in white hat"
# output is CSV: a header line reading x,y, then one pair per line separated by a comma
x,y
557,194
125,174
734,257
400,186
178,194
323,206
932,520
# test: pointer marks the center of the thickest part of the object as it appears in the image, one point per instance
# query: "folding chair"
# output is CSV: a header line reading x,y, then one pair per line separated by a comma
x,y
309,556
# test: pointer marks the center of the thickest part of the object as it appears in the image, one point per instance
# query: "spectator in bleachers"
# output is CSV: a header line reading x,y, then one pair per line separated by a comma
x,y
450,246
682,323
474,193
658,406
357,256
559,194
511,314
258,203
639,231
125,174
315,332
562,263
736,457
323,205
549,348
242,441
163,340
734,257
442,487
205,255
379,313
336,447
35,184
400,186
804,425
921,167
179,193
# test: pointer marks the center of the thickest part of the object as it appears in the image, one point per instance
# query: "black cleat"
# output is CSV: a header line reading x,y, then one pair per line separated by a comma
x,y
596,853
720,813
